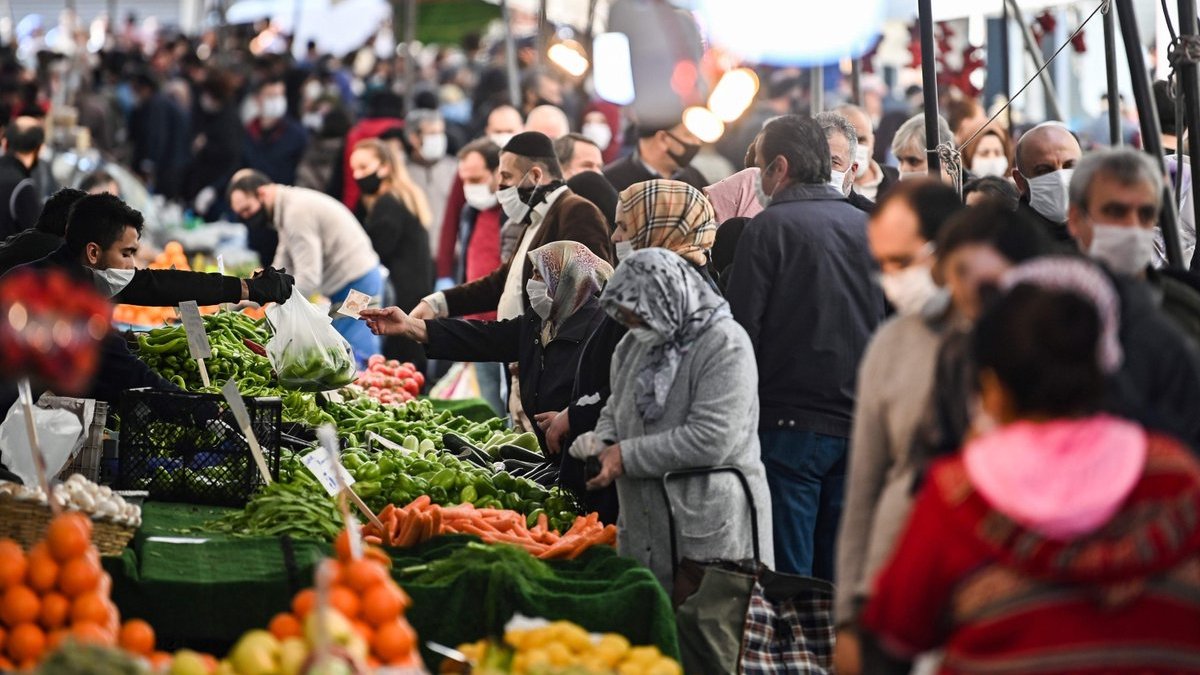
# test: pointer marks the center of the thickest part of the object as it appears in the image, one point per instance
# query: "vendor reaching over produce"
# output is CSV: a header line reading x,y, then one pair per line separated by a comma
x,y
546,341
685,396
320,241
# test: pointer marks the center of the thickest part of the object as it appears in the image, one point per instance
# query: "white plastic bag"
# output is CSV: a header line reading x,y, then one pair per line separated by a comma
x,y
305,350
60,433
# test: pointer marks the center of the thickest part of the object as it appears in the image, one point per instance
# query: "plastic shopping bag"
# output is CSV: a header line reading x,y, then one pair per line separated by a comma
x,y
60,433
305,350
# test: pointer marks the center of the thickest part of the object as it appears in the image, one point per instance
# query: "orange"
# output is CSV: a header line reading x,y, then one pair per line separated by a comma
x,y
43,570
393,641
89,633
55,610
19,605
54,638
362,575
345,601
381,604
6,665
69,536
285,625
79,576
26,643
341,546
304,602
137,636
159,661
90,607
3,637
363,630
12,563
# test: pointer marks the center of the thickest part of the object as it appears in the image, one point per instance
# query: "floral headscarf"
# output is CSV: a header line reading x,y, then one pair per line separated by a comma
x,y
668,214
573,274
673,300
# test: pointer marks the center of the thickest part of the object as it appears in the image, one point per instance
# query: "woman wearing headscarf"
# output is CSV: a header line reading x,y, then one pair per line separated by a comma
x,y
685,395
546,341
1060,539
657,213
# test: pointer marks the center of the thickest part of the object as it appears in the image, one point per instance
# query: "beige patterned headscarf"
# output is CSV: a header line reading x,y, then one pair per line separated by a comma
x,y
668,214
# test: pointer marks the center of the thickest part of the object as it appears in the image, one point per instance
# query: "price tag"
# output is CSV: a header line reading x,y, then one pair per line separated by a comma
x,y
327,471
332,452
354,303
193,325
238,407
220,264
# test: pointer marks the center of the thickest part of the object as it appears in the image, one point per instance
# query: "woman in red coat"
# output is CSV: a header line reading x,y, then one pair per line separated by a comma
x,y
1062,540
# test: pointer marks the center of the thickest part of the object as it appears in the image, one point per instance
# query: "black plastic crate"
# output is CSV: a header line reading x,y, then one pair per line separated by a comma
x,y
188,448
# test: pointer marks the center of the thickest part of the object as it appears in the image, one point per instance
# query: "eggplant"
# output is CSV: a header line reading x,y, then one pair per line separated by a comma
x,y
518,453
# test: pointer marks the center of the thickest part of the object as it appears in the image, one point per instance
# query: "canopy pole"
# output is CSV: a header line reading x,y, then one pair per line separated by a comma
x,y
510,55
1006,72
1189,75
816,89
856,96
1110,70
929,85
1038,63
1143,95
410,54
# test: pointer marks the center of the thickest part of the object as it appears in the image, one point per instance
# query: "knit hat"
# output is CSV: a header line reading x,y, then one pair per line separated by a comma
x,y
531,144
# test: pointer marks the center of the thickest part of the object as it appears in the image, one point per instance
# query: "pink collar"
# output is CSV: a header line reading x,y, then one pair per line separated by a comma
x,y
1062,479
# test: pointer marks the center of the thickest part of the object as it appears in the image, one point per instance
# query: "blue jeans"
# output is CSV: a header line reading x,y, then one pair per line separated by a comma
x,y
365,344
807,474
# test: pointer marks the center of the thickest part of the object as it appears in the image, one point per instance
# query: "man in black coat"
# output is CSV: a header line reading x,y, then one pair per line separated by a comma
x,y
1046,157
45,236
660,153
19,200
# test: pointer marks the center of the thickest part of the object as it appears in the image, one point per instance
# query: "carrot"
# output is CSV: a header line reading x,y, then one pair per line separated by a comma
x,y
387,512
437,522
420,502
372,539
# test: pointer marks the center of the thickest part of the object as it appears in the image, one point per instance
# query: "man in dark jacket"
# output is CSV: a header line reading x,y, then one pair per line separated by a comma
x,y
1046,156
802,288
158,131
19,201
45,236
660,153
843,147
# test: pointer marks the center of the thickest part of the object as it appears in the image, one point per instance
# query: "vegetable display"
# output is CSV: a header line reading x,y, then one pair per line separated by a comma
x,y
236,352
389,381
80,494
563,647
316,368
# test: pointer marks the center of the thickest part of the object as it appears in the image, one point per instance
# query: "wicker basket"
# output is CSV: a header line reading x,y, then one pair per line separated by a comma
x,y
25,520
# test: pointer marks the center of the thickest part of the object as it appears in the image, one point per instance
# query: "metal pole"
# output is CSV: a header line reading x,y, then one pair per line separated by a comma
x,y
591,22
539,40
1006,56
410,54
1143,95
816,90
856,81
929,85
1110,69
1038,63
1189,76
510,55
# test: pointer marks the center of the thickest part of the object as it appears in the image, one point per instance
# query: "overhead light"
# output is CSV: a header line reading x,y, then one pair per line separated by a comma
x,y
703,124
570,56
733,94
613,73
797,33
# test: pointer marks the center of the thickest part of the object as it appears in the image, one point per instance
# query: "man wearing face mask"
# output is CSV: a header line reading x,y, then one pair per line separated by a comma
x,y
802,286
274,142
843,148
19,201
911,147
1046,157
661,152
472,250
1116,196
429,167
871,179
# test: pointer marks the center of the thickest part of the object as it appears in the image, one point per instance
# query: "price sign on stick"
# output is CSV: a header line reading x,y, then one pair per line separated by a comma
x,y
197,338
330,474
39,462
221,271
329,442
238,407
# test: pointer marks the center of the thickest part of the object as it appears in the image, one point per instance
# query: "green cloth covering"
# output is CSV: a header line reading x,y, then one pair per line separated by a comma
x,y
206,595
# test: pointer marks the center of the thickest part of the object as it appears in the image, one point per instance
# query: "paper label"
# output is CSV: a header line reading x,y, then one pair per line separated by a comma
x,y
355,303
220,264
193,325
238,407
326,470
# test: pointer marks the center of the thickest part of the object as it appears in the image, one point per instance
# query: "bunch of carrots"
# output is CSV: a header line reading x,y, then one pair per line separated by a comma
x,y
422,520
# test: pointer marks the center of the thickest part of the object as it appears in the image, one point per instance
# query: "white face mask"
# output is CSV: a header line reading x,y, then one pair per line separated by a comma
x,y
313,121
646,336
538,299
273,108
989,166
598,133
479,196
501,139
838,180
863,156
510,201
111,281
764,199
312,91
433,147
624,250
1048,194
909,289
913,175
1126,250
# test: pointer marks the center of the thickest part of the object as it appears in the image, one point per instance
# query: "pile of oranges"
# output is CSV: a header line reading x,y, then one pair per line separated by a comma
x,y
172,257
364,592
58,591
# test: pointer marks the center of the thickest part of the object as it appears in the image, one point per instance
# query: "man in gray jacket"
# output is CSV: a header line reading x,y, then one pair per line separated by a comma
x,y
320,242
802,288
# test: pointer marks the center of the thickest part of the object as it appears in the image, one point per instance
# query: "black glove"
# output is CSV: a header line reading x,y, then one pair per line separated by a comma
x,y
270,285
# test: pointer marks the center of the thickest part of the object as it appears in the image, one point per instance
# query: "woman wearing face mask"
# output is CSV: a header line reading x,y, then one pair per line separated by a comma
x,y
546,341
393,212
685,395
990,154
1064,539
658,213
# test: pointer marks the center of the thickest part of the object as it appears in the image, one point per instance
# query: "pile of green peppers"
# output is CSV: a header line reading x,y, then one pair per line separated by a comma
x,y
166,351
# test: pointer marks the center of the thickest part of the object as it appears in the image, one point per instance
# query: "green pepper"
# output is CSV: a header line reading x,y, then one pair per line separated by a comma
x,y
468,494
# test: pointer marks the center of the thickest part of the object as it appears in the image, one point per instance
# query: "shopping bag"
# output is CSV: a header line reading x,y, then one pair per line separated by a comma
x,y
305,350
61,424
741,617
